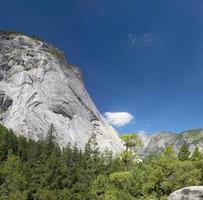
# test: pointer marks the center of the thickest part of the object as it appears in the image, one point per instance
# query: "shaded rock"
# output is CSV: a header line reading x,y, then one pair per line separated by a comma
x,y
5,101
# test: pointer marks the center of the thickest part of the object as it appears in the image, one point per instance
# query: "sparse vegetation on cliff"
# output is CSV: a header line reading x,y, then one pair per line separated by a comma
x,y
15,33
50,48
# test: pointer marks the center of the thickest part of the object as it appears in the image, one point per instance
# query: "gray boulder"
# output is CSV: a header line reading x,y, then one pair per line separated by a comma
x,y
188,193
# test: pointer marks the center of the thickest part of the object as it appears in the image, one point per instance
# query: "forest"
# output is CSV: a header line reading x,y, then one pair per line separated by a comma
x,y
42,170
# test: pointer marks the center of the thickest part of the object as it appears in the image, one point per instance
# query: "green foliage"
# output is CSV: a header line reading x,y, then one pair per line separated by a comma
x,y
13,182
184,152
131,142
8,140
41,170
120,179
196,155
99,187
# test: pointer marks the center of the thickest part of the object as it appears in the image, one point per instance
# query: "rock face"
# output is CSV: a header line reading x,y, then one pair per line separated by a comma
x,y
38,88
157,142
188,193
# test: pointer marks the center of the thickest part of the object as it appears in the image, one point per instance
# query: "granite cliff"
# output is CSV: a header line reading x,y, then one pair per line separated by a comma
x,y
38,88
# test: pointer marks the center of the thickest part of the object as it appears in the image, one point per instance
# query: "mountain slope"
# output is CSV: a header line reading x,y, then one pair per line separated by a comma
x,y
38,88
157,142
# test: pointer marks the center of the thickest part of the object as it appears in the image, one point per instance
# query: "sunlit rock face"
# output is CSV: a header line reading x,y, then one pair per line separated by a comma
x,y
188,193
38,88
157,142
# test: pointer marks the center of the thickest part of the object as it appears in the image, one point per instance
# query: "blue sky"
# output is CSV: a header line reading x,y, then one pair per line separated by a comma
x,y
141,57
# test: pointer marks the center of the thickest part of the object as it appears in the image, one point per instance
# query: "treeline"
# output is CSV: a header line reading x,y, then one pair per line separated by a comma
x,y
41,170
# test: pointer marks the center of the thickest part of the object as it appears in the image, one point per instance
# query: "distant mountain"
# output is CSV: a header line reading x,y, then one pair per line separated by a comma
x,y
157,142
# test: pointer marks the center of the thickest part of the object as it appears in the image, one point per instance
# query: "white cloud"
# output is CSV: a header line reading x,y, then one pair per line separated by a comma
x,y
119,119
143,38
132,37
147,37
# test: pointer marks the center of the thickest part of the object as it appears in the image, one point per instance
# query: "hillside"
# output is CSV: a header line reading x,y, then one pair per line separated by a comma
x,y
158,142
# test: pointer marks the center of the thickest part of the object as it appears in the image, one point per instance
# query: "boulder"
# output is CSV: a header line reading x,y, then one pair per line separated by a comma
x,y
188,193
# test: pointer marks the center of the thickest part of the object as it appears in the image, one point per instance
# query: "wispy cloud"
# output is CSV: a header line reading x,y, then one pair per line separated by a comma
x,y
132,38
119,119
142,132
145,38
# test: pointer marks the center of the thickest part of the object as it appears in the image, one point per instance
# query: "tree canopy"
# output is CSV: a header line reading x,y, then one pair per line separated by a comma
x,y
41,170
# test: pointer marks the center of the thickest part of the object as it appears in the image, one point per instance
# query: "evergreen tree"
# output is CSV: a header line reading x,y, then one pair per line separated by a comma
x,y
99,187
45,194
91,166
23,147
36,171
169,153
54,173
13,182
40,170
196,155
111,163
51,141
131,141
184,152
8,141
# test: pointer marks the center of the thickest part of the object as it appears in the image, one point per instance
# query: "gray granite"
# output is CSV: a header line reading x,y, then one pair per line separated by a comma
x,y
38,88
188,193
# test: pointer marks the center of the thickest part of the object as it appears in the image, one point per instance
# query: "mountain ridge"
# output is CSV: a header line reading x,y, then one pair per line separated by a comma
x,y
156,142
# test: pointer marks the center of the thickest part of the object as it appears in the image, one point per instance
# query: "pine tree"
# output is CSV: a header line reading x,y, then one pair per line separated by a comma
x,y
92,154
22,147
169,153
88,166
196,155
131,141
8,140
99,187
13,182
184,152
54,173
36,171
51,141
